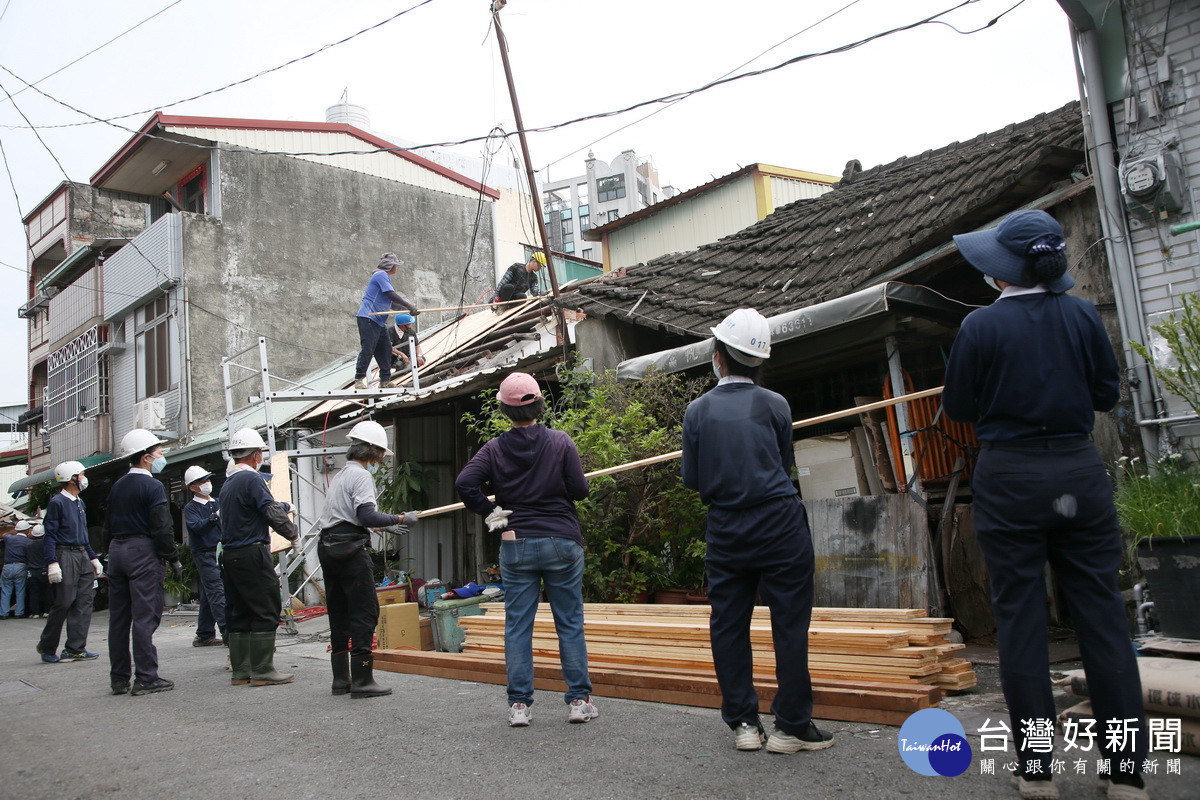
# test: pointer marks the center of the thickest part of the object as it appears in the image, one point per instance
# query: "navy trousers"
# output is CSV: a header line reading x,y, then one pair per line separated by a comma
x,y
212,596
1050,501
135,606
72,602
374,342
768,550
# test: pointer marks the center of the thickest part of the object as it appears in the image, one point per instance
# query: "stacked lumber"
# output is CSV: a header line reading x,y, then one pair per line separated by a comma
x,y
867,665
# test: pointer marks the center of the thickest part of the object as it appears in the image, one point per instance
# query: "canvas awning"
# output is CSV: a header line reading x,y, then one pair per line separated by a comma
x,y
48,474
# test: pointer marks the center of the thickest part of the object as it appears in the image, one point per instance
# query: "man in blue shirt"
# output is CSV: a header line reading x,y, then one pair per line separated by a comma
x,y
13,581
251,585
143,542
72,568
372,330
202,516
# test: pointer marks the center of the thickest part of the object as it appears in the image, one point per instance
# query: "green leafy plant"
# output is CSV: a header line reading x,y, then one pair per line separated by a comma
x,y
403,487
40,494
1157,500
642,528
1181,333
185,588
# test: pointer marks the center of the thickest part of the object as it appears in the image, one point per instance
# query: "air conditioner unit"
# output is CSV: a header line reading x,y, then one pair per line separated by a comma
x,y
150,414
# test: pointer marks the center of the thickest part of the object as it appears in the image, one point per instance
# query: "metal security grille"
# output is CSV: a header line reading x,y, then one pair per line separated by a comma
x,y
77,386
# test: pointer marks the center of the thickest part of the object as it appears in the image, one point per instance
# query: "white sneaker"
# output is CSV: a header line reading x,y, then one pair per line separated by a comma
x,y
360,383
518,715
747,737
582,711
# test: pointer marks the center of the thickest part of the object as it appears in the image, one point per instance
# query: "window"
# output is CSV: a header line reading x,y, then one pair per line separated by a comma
x,y
567,228
585,219
587,253
568,247
610,188
581,192
614,214
77,383
193,189
157,367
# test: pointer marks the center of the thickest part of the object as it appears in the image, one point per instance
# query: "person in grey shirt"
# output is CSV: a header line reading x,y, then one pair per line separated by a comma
x,y
344,550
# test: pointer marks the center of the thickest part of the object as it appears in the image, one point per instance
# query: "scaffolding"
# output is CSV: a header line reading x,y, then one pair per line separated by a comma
x,y
238,374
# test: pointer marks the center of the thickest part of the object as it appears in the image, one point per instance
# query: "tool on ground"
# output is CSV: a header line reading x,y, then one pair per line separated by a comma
x,y
646,462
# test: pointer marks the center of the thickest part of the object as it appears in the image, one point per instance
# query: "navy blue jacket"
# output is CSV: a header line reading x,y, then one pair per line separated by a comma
x,y
1031,366
15,545
247,508
137,506
203,524
65,524
535,473
737,446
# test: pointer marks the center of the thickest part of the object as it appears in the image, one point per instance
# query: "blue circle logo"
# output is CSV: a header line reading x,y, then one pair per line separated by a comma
x,y
933,742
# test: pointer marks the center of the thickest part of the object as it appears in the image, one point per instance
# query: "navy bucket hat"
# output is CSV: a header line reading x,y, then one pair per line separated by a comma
x,y
1005,251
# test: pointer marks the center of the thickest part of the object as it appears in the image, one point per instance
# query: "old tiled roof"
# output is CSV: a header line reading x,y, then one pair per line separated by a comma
x,y
816,249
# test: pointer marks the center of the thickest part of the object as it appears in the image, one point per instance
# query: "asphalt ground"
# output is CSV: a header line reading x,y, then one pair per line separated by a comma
x,y
64,736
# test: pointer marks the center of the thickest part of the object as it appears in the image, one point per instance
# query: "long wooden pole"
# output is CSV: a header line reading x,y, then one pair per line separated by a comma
x,y
450,308
646,462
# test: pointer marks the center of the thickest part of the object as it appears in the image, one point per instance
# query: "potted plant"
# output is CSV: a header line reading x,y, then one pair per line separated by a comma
x,y
178,591
1159,504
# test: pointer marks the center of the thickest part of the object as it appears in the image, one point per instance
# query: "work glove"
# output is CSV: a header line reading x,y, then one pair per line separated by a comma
x,y
497,520
296,548
177,568
98,567
416,312
287,507
54,573
408,518
396,530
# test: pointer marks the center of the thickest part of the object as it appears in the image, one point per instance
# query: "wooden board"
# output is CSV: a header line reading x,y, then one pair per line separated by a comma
x,y
281,490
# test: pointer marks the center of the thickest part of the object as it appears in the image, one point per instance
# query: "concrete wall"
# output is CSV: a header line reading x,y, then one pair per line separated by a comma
x,y
292,252
99,214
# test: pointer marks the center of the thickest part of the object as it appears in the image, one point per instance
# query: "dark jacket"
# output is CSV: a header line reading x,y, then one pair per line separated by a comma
x,y
137,506
1031,366
203,524
66,524
524,281
535,473
247,508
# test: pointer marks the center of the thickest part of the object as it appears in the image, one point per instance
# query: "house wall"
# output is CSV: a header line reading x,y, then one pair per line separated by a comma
x,y
1167,266
292,252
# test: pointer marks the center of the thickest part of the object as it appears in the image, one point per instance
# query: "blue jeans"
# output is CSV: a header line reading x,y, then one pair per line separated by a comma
x,y
212,596
13,580
525,564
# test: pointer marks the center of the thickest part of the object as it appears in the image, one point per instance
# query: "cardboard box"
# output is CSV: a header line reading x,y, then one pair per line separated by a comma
x,y
399,626
426,633
825,467
390,595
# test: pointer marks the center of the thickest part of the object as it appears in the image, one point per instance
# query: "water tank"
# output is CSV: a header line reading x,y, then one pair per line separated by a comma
x,y
349,114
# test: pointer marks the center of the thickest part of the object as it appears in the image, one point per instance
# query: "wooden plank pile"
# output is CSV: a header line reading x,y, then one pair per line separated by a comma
x,y
867,665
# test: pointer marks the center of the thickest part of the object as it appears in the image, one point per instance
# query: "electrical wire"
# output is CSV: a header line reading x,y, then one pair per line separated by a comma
x,y
100,46
296,60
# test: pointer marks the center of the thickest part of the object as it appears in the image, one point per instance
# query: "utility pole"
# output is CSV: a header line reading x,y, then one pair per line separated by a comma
x,y
502,42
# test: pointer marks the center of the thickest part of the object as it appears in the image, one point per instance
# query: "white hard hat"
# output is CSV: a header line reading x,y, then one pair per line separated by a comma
x,y
23,525
246,439
67,470
194,474
139,440
747,334
370,432
37,531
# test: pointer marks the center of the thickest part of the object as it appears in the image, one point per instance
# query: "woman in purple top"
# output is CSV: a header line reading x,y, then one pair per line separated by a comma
x,y
536,476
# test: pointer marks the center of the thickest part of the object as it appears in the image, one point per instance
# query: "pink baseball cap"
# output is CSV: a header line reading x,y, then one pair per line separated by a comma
x,y
519,389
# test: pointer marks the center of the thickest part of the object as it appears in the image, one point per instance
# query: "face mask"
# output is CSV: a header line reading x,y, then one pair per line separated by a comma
x,y
83,482
990,281
158,464
716,371
372,468
206,488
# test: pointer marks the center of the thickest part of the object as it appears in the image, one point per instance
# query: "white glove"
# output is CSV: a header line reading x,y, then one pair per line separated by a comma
x,y
497,520
96,565
296,548
54,573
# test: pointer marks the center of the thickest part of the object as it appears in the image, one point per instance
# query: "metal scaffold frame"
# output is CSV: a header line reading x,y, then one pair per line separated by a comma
x,y
238,374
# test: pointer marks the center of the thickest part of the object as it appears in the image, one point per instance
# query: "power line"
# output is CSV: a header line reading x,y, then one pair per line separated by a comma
x,y
97,47
298,59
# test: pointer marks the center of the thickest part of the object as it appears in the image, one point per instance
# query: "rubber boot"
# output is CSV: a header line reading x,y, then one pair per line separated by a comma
x,y
341,672
364,685
239,658
262,657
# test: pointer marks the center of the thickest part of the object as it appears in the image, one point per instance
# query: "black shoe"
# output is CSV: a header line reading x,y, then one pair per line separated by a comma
x,y
811,738
341,672
120,687
156,685
362,679
211,641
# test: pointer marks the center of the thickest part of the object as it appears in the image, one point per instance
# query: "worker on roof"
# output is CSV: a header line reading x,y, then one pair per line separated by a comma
x,y
71,567
203,520
520,280
372,330
1030,371
403,332
143,543
737,452
536,475
252,602
344,550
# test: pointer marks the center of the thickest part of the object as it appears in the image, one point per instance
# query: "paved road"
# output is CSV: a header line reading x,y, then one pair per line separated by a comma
x,y
64,737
